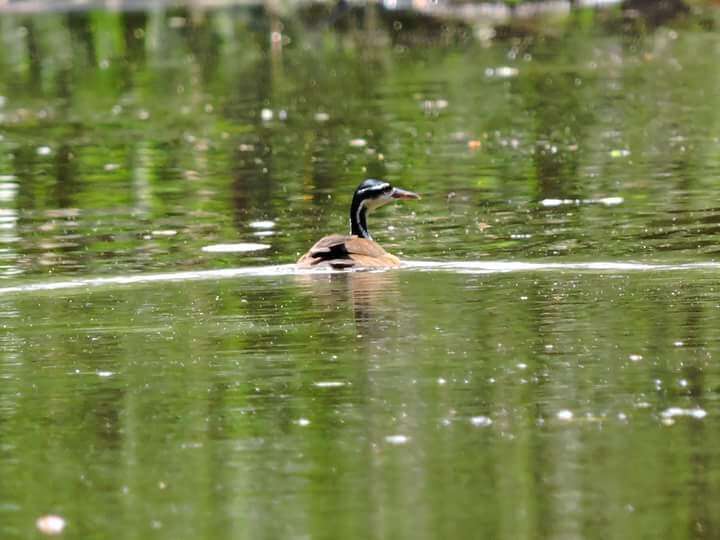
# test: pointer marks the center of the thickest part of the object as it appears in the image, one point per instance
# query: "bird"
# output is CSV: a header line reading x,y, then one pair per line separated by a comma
x,y
358,250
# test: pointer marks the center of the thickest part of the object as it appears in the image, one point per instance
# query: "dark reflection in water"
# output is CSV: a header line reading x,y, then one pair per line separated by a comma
x,y
352,404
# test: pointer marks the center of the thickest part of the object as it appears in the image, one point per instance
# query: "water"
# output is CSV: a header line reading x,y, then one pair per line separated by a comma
x,y
542,366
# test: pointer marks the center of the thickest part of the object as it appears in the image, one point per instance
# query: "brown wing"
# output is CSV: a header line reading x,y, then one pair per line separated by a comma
x,y
341,251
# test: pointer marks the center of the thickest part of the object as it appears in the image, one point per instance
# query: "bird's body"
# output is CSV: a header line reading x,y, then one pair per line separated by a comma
x,y
341,251
357,250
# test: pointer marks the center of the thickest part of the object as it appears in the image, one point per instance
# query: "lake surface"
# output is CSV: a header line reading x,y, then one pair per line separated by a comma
x,y
545,365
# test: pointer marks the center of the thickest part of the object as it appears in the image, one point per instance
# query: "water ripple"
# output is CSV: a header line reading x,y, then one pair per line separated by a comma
x,y
460,267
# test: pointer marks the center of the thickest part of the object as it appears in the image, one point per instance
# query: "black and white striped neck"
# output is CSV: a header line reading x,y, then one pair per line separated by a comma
x,y
358,218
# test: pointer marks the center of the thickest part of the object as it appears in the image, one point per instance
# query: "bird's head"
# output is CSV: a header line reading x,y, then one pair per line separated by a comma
x,y
372,194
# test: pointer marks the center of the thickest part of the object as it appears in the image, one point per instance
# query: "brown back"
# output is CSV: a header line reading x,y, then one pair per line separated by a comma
x,y
341,251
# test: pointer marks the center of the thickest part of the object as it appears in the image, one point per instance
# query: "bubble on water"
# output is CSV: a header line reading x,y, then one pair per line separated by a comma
x,y
441,381
109,167
50,525
165,232
606,201
674,412
322,117
302,422
505,72
565,415
234,248
397,439
474,144
635,357
434,104
267,224
329,384
358,143
44,151
619,152
143,114
266,115
105,374
678,343
8,191
481,421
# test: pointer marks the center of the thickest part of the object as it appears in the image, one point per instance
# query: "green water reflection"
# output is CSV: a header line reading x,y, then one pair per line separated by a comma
x,y
405,404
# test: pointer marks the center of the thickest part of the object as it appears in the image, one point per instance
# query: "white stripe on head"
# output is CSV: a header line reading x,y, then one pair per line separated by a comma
x,y
378,187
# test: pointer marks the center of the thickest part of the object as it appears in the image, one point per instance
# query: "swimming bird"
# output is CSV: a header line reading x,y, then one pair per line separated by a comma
x,y
358,250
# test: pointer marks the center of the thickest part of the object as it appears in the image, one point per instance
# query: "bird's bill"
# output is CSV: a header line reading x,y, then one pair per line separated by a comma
x,y
398,193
